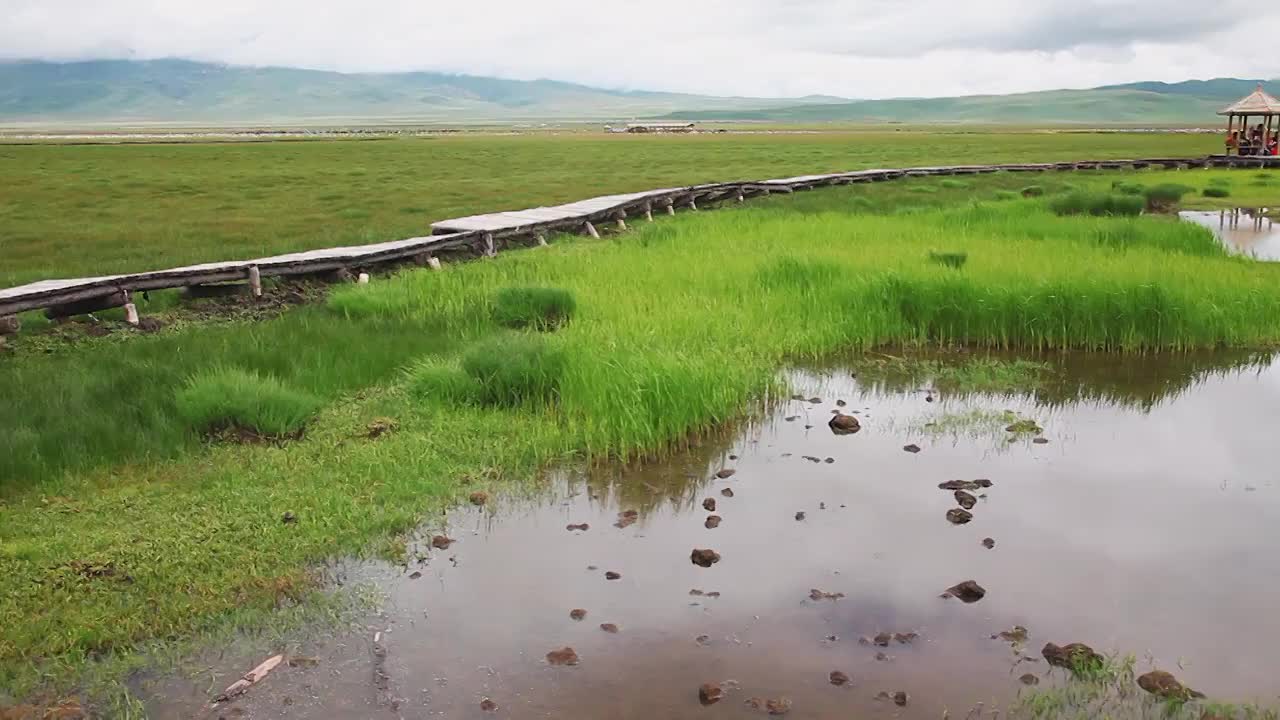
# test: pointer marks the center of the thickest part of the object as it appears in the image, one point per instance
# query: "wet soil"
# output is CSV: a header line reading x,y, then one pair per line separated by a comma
x,y
1147,525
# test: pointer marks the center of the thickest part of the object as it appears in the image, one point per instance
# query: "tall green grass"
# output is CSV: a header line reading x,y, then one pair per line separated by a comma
x,y
222,398
536,308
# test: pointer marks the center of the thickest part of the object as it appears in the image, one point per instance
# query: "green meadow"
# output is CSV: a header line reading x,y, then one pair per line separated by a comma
x,y
132,520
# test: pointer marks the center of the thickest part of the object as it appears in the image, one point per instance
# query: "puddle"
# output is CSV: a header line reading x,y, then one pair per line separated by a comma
x,y
1247,231
1145,524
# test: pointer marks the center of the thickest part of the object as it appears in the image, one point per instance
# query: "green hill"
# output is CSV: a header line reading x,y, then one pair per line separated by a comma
x,y
1194,101
184,91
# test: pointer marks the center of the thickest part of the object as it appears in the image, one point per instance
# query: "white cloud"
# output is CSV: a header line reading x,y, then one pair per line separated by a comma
x,y
855,48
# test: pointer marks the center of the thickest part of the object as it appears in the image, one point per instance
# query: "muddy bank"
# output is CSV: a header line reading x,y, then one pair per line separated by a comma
x,y
1140,526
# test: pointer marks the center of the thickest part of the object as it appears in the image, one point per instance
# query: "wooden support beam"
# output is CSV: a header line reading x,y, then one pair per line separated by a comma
x,y
591,230
255,281
362,278
490,249
542,240
671,208
111,299
648,212
621,218
131,313
433,262
693,204
741,197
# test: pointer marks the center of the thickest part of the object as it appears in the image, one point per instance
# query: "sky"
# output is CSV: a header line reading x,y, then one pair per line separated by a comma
x,y
763,48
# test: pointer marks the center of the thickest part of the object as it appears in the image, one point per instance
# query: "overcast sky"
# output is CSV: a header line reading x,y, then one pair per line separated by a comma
x,y
852,48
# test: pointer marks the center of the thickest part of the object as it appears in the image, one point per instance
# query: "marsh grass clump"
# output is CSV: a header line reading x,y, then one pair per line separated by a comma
x,y
234,399
515,369
1217,191
1033,191
1081,202
792,273
1003,195
1128,187
448,384
1165,196
538,308
953,184
954,260
923,189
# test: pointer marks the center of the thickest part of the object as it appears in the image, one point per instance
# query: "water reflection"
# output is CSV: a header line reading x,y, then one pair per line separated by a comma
x,y
1142,525
1247,231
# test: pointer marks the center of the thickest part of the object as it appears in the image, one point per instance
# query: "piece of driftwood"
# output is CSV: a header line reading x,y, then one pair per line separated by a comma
x,y
249,679
591,230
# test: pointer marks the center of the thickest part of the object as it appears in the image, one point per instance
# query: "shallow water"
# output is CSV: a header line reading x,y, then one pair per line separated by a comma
x,y
1146,524
1243,230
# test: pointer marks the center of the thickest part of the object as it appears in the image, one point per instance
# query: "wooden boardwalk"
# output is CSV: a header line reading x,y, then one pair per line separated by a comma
x,y
486,234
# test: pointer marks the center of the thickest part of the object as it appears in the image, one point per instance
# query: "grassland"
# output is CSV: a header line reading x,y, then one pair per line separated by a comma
x,y
121,527
70,211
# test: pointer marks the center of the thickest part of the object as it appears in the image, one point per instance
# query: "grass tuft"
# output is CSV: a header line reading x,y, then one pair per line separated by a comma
x,y
536,308
953,184
233,398
954,260
1083,202
1165,196
1217,191
515,369
1033,191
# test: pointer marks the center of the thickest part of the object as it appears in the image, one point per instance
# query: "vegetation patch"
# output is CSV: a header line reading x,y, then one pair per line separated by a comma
x,y
515,369
1217,191
1166,196
535,308
1033,191
955,260
1129,187
1083,202
244,404
953,184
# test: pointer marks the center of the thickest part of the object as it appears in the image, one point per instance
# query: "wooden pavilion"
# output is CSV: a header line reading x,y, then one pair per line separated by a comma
x,y
1246,139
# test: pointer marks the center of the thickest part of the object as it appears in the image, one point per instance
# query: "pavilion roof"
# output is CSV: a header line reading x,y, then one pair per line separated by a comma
x,y
1256,103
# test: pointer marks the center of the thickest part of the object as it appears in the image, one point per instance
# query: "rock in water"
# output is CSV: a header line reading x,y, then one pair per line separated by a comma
x,y
710,694
882,639
713,522
912,448
440,542
479,498
838,678
725,473
611,575
488,705
727,492
709,504
704,558
959,516
1165,685
577,613
900,698
1074,657
842,424
1029,679
988,543
966,500
563,656
967,592
609,628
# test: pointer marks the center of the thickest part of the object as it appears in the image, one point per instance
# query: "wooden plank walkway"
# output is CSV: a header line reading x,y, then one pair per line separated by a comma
x,y
481,233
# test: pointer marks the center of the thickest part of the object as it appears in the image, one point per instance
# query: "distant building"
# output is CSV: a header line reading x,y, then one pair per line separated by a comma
x,y
657,127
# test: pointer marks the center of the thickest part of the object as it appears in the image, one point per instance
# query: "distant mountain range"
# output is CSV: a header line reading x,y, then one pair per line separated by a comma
x,y
181,91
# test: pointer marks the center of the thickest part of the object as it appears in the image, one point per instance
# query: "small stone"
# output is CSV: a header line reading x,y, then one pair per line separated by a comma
x,y
709,694
905,638
841,403
815,401
839,679
727,492
703,639
725,473
626,518
1016,635
1029,679
988,543
815,594
1166,686
579,527
800,515
609,628
577,613
709,504
704,558
288,518
982,483
611,575
882,639
488,705
900,698
1074,657
842,424
967,591
563,656
959,516
778,706
733,457
441,542
479,497
415,575
966,500
712,522
1040,441
912,448
958,485
881,657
